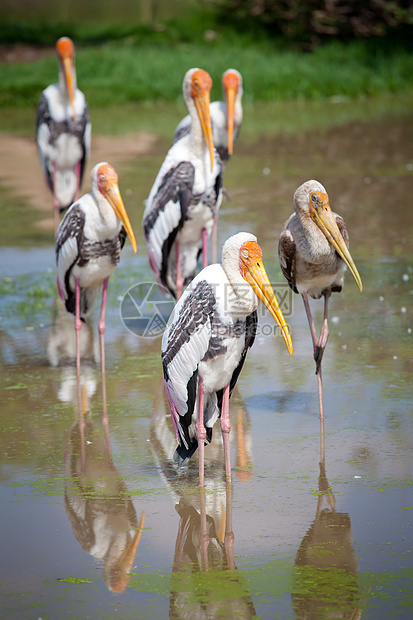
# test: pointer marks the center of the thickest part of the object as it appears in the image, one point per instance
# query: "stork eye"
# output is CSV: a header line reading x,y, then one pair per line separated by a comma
x,y
245,253
314,199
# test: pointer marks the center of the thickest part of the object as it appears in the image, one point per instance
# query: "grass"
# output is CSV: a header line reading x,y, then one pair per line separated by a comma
x,y
148,65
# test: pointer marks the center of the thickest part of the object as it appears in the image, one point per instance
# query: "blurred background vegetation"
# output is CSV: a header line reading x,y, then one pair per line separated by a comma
x,y
138,50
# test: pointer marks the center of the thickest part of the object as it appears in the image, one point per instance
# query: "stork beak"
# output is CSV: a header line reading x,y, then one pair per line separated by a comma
x,y
325,220
231,94
120,571
201,101
114,198
68,69
257,278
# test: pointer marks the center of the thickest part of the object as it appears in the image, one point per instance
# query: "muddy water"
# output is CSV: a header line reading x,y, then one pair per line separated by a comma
x,y
99,524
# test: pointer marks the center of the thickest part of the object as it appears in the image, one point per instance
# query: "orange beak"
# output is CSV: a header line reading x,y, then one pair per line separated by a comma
x,y
201,101
112,195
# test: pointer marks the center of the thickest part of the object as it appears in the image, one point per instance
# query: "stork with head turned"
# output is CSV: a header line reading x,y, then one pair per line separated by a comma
x,y
184,201
88,247
206,340
226,116
313,253
63,131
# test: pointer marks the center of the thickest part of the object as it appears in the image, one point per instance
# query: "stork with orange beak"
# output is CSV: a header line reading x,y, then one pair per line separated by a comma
x,y
186,195
206,341
313,253
63,132
89,241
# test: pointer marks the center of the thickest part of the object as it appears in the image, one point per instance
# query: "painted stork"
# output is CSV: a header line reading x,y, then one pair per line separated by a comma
x,y
226,116
313,253
63,132
183,204
88,246
206,340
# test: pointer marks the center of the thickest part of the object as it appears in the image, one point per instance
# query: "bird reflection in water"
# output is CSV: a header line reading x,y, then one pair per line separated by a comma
x,y
98,505
326,565
205,540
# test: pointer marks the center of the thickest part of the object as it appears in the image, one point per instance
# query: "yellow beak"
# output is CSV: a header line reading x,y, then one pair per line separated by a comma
x,y
68,73
325,220
231,94
201,101
114,198
257,278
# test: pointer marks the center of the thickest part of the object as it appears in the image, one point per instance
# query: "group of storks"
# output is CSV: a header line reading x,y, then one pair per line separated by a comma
x,y
214,321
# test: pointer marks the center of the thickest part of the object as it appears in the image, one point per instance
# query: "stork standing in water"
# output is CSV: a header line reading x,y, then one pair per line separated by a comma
x,y
88,246
185,198
226,116
63,132
313,253
206,340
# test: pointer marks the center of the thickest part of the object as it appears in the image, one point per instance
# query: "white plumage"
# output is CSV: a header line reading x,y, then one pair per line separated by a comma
x,y
207,338
185,198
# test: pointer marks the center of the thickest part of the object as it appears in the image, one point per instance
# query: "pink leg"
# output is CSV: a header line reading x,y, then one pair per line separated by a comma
x,y
310,320
78,325
102,325
201,432
214,240
179,280
204,248
320,393
225,429
322,341
77,173
56,205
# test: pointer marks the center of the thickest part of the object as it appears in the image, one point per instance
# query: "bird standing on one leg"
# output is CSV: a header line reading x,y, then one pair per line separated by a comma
x,y
63,132
185,198
206,341
88,247
313,253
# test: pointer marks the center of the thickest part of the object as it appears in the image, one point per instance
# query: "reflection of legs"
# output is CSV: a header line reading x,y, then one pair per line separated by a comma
x,y
229,534
204,532
225,428
179,280
204,248
78,325
201,432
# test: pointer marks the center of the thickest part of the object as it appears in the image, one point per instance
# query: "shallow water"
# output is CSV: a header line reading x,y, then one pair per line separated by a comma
x,y
311,540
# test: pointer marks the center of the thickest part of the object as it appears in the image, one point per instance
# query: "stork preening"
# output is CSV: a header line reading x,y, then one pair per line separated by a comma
x,y
206,340
63,132
183,204
313,253
88,247
226,116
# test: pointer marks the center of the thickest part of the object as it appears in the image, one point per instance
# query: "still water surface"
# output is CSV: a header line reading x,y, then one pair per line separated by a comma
x,y
317,534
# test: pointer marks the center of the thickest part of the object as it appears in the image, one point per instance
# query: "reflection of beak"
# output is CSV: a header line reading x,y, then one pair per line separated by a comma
x,y
325,220
257,278
231,94
114,198
121,569
201,101
68,73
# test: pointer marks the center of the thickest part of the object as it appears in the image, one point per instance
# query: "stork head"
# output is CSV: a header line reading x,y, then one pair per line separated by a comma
x,y
313,197
232,86
242,253
104,177
198,84
66,55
